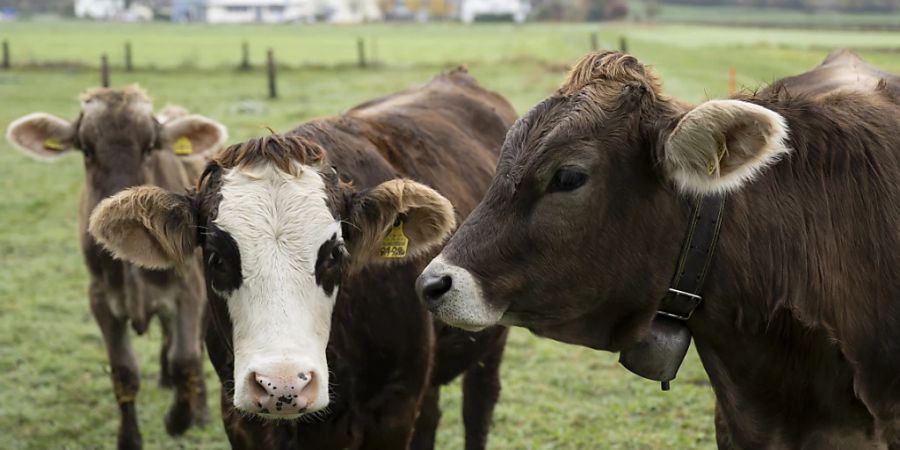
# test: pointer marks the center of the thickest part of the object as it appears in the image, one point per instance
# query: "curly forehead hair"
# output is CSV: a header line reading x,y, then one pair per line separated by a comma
x,y
280,150
598,70
124,95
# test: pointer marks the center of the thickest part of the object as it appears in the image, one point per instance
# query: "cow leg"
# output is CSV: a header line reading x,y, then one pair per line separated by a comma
x,y
123,367
185,364
723,436
481,390
390,417
391,424
165,380
428,420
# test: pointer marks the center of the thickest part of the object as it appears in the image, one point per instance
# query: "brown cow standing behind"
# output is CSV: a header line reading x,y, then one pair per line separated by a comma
x,y
124,145
309,319
579,235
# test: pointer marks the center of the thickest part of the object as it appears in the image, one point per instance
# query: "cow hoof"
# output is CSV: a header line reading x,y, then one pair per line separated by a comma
x,y
177,420
129,441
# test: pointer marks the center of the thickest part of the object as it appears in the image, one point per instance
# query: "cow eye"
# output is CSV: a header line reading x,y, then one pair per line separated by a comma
x,y
567,179
339,252
214,260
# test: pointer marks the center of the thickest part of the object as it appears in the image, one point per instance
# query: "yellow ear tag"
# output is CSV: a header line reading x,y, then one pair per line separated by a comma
x,y
54,144
183,146
395,243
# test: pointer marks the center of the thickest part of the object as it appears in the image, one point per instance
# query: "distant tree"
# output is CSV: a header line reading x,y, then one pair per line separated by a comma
x,y
559,10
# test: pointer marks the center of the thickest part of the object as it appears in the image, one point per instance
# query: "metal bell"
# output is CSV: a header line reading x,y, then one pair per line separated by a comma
x,y
661,353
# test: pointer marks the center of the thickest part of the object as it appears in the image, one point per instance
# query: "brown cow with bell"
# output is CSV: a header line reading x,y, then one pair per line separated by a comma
x,y
766,226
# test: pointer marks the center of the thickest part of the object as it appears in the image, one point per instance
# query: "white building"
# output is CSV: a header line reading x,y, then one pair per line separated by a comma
x,y
112,9
275,11
348,11
99,9
516,10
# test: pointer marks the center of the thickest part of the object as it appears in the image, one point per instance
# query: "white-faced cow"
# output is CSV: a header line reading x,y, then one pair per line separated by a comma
x,y
309,318
123,145
597,188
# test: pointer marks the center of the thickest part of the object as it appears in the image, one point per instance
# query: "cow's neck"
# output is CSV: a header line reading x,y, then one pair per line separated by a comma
x,y
659,355
764,346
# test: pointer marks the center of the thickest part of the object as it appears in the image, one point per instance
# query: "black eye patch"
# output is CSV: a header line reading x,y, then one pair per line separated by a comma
x,y
222,261
330,263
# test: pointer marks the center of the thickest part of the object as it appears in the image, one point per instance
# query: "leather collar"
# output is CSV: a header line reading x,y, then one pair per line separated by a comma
x,y
659,356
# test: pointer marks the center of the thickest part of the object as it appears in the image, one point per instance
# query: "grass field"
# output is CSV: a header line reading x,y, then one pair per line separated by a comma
x,y
53,370
770,17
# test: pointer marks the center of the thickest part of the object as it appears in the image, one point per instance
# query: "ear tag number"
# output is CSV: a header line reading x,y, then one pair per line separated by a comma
x,y
183,146
395,243
54,144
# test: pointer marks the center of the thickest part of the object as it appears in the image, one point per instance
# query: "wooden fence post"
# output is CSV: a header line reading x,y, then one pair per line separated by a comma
x,y
623,44
5,54
245,56
104,71
361,52
273,89
128,66
594,44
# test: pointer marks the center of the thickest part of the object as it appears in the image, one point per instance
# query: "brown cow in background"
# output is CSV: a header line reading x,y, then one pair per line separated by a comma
x,y
309,318
579,236
124,145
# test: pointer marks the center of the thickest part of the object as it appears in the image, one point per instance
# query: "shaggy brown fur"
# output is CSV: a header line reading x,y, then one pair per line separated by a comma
x,y
596,70
117,97
163,242
798,330
285,152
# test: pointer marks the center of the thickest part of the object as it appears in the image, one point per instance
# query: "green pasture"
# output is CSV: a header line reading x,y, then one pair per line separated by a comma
x,y
770,17
53,370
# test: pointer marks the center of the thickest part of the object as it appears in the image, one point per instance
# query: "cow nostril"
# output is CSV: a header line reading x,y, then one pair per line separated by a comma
x,y
260,385
434,288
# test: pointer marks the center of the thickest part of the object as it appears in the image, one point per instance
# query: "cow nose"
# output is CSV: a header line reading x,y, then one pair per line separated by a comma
x,y
283,392
431,288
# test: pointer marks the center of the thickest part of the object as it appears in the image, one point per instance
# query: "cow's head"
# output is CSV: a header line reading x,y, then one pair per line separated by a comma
x,y
115,131
579,232
278,231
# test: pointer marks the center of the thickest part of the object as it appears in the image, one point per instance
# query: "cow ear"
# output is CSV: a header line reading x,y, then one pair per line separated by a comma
x,y
146,225
41,136
171,112
397,220
192,134
721,145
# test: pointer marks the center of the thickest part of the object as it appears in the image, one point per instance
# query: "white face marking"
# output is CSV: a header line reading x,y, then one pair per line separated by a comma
x,y
281,318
